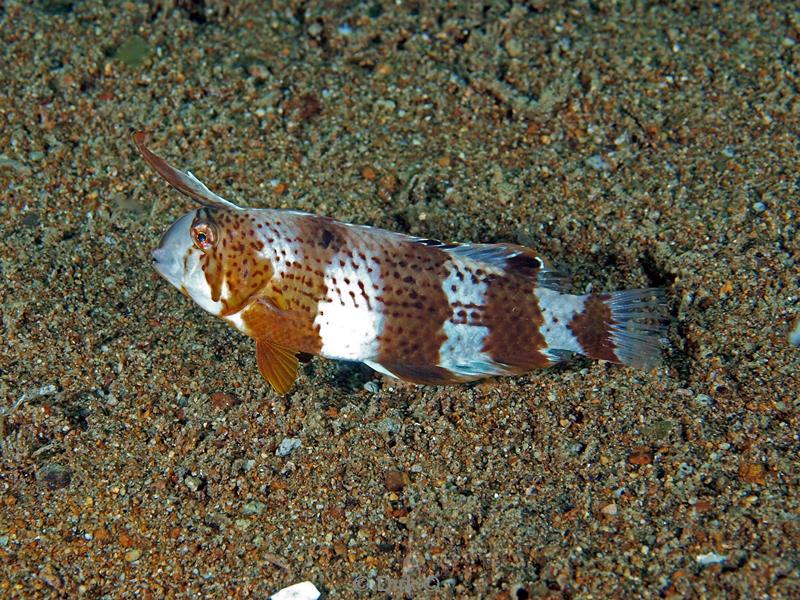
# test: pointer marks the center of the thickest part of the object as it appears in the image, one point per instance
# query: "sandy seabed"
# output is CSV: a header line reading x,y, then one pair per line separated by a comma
x,y
632,145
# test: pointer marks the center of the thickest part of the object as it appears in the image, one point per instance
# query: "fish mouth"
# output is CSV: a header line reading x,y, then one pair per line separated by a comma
x,y
169,257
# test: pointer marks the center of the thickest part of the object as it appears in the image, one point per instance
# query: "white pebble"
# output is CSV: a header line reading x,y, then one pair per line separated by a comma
x,y
287,446
299,591
794,336
712,558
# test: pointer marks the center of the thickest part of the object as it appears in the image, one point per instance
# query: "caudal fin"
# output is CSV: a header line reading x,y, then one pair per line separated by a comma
x,y
623,327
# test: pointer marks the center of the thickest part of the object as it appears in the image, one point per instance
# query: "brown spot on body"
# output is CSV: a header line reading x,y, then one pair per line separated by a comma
x,y
592,328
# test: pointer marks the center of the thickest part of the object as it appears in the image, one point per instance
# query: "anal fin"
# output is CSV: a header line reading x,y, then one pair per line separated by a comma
x,y
278,365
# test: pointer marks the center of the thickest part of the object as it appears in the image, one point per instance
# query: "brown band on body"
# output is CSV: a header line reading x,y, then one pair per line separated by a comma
x,y
592,328
414,308
513,317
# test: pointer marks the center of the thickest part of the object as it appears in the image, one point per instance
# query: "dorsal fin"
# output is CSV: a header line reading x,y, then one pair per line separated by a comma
x,y
186,183
510,258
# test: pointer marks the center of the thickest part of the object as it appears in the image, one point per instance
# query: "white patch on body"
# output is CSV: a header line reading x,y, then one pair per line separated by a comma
x,y
236,320
558,310
349,325
461,353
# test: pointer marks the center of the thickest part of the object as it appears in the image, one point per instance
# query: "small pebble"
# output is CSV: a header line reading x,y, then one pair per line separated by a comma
x,y
314,30
253,508
193,483
222,400
133,555
395,481
610,509
794,336
54,476
514,48
287,446
641,456
598,163
577,448
759,207
704,400
712,558
133,51
387,425
298,591
372,387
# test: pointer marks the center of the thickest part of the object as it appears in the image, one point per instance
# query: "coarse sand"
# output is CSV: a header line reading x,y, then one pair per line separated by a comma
x,y
631,144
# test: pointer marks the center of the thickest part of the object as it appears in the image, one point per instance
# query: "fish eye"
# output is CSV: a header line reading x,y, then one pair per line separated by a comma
x,y
203,236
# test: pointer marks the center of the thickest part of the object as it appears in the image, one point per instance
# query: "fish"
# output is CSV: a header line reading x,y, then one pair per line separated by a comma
x,y
416,309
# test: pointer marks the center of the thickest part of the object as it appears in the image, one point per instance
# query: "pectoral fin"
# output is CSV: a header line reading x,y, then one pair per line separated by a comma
x,y
278,365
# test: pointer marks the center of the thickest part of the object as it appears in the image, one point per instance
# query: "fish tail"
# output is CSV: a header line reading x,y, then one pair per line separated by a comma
x,y
624,327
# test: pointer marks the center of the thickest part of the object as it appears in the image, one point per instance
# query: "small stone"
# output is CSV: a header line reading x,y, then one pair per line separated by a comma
x,y
711,558
372,387
314,30
222,400
704,400
641,456
759,207
514,48
703,506
752,473
253,508
395,481
287,446
368,173
133,51
794,335
54,476
577,448
298,591
193,483
610,509
387,425
133,555
598,163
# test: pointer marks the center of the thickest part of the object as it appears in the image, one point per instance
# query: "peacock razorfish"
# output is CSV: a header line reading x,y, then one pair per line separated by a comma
x,y
416,309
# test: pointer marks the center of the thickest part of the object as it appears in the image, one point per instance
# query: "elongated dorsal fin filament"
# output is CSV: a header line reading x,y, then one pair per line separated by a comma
x,y
184,182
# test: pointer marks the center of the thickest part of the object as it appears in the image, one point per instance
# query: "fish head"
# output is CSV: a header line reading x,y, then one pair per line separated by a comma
x,y
213,256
